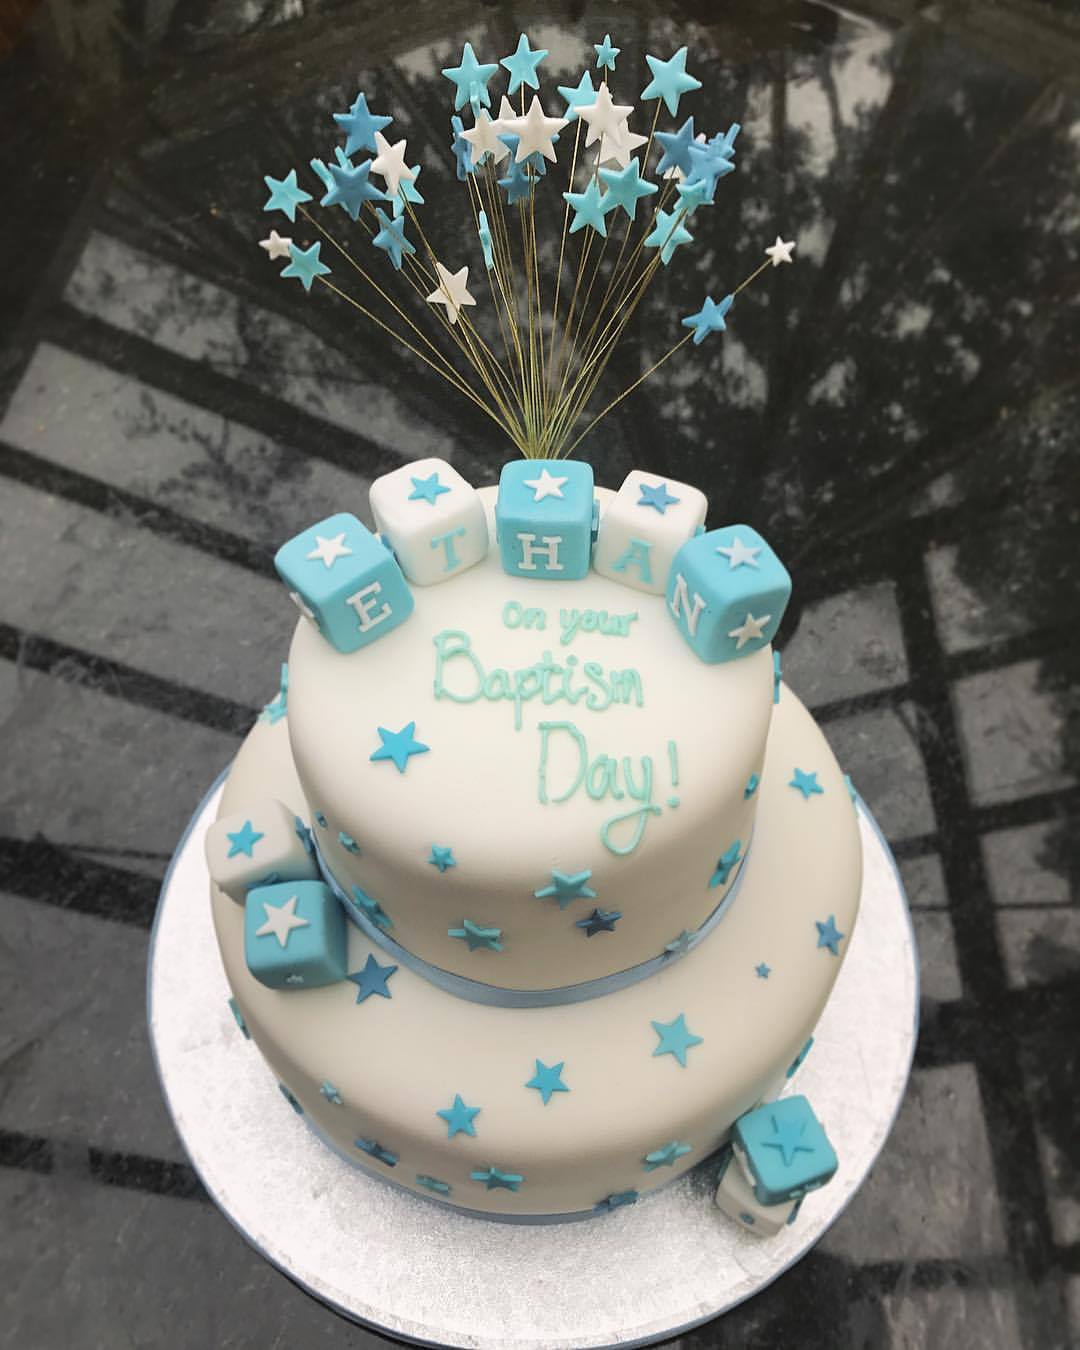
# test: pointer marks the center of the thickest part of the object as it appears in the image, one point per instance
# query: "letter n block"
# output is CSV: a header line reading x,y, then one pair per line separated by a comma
x,y
544,518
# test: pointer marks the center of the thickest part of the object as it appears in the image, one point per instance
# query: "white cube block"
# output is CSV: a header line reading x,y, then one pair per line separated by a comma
x,y
735,1196
431,518
644,526
260,846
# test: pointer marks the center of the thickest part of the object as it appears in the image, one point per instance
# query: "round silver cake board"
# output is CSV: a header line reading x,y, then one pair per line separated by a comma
x,y
410,1267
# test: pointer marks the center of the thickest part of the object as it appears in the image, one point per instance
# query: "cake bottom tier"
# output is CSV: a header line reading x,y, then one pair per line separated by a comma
x,y
558,1111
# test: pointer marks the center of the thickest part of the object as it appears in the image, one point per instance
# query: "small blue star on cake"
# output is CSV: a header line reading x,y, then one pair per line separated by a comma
x,y
567,886
399,746
372,980
657,496
665,1156
243,841
762,971
680,945
806,783
459,1118
751,786
375,1150
286,194
442,857
675,1039
829,935
347,842
305,265
616,1201
600,921
477,937
725,863
496,1180
433,1184
547,1080
332,1095
371,908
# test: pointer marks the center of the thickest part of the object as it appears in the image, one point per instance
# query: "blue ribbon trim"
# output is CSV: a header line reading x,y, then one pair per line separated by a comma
x,y
496,996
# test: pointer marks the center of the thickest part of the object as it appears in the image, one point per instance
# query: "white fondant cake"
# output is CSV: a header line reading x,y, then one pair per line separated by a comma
x,y
599,879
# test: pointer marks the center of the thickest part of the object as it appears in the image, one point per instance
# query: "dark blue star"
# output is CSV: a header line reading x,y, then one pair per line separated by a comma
x,y
676,148
351,188
495,1180
806,783
725,863
710,318
399,745
517,183
332,1095
459,1118
243,841
829,935
372,980
762,971
708,165
616,1201
658,497
751,785
361,125
600,921
375,1150
675,1038
547,1079
427,489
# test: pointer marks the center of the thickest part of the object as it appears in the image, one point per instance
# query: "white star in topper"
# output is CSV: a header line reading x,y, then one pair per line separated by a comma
x,y
749,630
780,252
390,164
484,138
452,291
281,920
547,485
328,551
738,554
616,150
275,245
603,117
535,131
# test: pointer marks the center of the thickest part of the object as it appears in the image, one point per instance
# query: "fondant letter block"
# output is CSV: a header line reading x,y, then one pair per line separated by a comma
x,y
643,527
345,581
783,1150
544,518
736,1198
295,935
432,519
727,591
257,847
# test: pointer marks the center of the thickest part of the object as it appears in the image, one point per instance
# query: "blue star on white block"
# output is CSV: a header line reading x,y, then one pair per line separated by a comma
x,y
496,1180
372,980
305,265
626,187
286,194
442,857
589,208
281,920
243,841
709,318
665,1156
657,496
360,125
675,1039
470,80
676,146
668,234
547,1080
522,65
829,936
427,489
806,783
575,96
459,1118
567,886
477,937
391,238
670,80
605,53
399,746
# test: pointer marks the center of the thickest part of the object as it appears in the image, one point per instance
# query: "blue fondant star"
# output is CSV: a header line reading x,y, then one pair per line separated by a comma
x,y
681,945
807,784
668,234
462,149
708,164
534,161
658,497
238,1018
692,195
777,676
762,971
724,865
665,1156
495,1180
484,233
360,125
372,980
709,318
522,65
590,208
275,710
567,886
616,1201
670,80
304,265
352,188
605,53
320,820
600,921
675,1039
399,746
427,489
477,937
548,1079
432,1184
347,842
724,142
517,182
332,1095
676,146
303,834
470,80
828,935
285,194
581,95
751,785
459,1118
442,857
787,1135
243,841
372,908
323,174
291,1099
408,192
391,238
626,187
851,790
375,1150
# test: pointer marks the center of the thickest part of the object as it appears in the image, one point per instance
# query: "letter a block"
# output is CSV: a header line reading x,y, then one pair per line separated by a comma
x,y
345,581
432,519
544,518
643,527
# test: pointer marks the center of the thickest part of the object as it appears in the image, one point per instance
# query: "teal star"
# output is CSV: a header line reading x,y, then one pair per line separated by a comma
x,y
681,945
391,238
522,66
351,187
658,497
762,971
670,80
459,1118
303,834
470,80
605,53
495,1180
347,842
751,786
361,125
787,1134
534,161
441,857
399,746
668,234
829,935
275,710
807,784
851,789
427,489
375,1150
238,1018
707,165
616,1201
575,96
709,318
600,921
305,265
692,195
547,1080
724,865
408,192
665,1156
676,148
477,937
724,144
332,1095
372,908
626,187
432,1184
567,886
291,1099
243,841
462,149
517,182
285,194
590,208
675,1039
372,980
484,233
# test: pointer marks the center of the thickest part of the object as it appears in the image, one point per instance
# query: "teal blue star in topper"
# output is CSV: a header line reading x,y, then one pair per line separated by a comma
x,y
534,161
286,194
517,184
351,188
470,80
762,971
477,937
459,1118
666,1156
547,1080
567,886
323,174
807,784
522,65
675,1039
626,187
693,195
724,865
483,231
676,146
709,318
600,921
330,1092
668,234
399,746
375,1150
787,1136
615,1201
657,496
408,192
590,208
462,149
442,857
495,1180
708,165
360,125
305,265
243,841
391,238
828,935
433,1184
724,142
605,53
372,908
670,80
372,980
427,489
575,96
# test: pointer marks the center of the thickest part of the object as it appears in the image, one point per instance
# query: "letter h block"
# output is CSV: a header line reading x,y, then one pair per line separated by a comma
x,y
544,518
432,519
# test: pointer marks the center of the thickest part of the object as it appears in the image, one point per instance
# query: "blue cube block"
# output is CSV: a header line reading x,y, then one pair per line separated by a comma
x,y
783,1150
345,581
544,518
727,591
295,935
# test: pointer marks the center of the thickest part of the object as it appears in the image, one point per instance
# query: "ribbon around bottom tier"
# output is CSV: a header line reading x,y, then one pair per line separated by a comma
x,y
497,996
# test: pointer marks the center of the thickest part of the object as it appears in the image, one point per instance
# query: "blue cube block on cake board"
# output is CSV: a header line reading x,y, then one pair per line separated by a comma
x,y
295,935
345,581
783,1150
544,518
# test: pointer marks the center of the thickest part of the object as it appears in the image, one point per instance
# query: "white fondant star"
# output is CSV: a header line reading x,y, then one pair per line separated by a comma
x,y
618,149
547,485
738,554
281,920
535,131
390,164
484,138
452,291
604,118
749,630
780,252
275,245
328,551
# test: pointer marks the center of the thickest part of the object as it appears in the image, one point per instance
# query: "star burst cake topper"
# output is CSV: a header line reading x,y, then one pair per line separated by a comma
x,y
528,339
